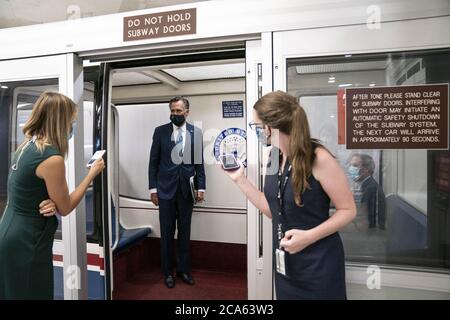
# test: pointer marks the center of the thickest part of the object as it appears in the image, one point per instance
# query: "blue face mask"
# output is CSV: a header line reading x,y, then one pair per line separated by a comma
x,y
353,172
72,131
262,137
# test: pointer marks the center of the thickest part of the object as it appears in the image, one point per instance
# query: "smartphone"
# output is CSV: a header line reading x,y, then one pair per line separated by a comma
x,y
229,162
97,155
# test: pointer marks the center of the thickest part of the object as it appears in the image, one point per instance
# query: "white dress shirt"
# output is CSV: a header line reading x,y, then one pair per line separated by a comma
x,y
176,133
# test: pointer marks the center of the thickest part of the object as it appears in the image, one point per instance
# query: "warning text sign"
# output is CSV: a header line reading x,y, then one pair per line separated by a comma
x,y
402,117
157,25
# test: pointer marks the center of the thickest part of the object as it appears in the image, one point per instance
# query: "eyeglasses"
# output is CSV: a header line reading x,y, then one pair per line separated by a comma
x,y
255,125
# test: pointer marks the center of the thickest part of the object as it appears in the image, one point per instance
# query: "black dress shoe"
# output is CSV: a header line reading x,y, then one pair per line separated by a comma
x,y
169,281
186,277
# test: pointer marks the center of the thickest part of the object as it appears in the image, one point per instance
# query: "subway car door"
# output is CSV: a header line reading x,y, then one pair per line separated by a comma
x,y
258,60
111,235
383,248
22,81
120,238
100,282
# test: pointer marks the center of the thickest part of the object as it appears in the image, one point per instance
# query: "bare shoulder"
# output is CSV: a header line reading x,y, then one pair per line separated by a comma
x,y
51,165
323,157
324,163
54,161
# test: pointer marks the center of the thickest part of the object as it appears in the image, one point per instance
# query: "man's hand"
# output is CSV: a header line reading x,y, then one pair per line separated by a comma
x,y
200,195
154,198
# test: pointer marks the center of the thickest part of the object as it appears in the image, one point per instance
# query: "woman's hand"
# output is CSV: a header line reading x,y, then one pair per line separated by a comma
x,y
97,167
47,208
296,240
235,175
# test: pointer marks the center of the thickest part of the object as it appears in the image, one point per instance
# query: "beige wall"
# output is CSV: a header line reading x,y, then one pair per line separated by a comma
x,y
210,221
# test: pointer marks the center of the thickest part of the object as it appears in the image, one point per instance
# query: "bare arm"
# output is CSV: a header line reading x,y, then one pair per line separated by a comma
x,y
251,192
333,180
53,172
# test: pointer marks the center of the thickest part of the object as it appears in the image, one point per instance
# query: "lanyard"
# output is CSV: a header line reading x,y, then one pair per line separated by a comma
x,y
281,189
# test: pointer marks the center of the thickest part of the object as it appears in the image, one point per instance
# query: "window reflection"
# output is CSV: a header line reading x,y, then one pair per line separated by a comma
x,y
16,101
402,196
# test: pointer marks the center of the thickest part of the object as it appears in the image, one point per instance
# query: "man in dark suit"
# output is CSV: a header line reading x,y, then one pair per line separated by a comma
x,y
176,156
371,196
372,193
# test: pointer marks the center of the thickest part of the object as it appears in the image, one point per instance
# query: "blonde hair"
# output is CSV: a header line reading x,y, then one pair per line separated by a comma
x,y
281,111
51,122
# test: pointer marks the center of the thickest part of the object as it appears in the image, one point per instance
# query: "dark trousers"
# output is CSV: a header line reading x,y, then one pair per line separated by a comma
x,y
377,216
176,212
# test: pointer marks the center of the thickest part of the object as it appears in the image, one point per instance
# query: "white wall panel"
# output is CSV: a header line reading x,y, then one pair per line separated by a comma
x,y
136,126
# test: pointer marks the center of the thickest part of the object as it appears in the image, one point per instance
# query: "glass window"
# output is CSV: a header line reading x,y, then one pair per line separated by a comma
x,y
88,123
402,196
16,101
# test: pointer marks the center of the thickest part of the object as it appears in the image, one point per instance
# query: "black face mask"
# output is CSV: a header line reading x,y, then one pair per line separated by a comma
x,y
177,119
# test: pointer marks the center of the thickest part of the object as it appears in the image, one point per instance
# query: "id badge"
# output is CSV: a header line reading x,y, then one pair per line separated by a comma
x,y
279,256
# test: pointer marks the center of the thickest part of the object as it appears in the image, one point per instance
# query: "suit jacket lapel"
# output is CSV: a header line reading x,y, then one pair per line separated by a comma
x,y
169,133
189,137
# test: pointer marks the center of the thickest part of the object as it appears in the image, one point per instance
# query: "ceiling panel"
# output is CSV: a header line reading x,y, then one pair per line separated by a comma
x,y
6,9
130,78
224,71
26,10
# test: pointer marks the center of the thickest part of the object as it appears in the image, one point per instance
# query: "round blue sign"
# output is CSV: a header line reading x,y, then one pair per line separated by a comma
x,y
232,140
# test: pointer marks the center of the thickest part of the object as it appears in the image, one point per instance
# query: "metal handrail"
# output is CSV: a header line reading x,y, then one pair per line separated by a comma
x,y
115,193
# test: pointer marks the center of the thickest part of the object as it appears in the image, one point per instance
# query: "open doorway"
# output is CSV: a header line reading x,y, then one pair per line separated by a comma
x,y
140,96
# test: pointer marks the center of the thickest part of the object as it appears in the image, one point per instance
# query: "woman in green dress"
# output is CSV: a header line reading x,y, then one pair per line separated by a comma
x,y
37,173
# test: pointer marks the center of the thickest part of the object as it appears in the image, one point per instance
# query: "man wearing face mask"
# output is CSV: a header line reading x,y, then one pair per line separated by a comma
x,y
369,196
353,170
176,155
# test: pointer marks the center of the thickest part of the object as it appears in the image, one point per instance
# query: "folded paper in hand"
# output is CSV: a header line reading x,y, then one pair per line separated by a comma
x,y
192,185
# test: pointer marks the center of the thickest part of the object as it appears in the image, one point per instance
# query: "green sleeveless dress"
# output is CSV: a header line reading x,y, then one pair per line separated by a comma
x,y
26,237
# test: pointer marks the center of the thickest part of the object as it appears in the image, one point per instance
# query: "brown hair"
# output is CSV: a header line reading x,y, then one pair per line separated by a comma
x,y
51,121
281,111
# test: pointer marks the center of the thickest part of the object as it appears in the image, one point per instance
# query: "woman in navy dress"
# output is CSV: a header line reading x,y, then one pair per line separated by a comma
x,y
301,179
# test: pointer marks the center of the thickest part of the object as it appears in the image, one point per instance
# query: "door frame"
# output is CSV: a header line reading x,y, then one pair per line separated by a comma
x,y
259,81
68,69
259,268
